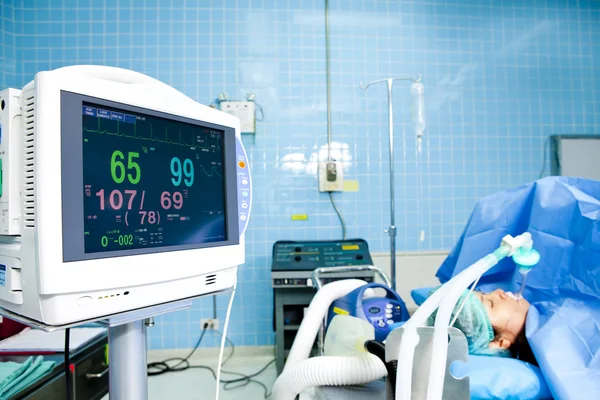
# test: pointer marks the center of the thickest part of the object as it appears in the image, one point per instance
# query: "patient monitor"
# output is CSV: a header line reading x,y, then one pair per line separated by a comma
x,y
118,193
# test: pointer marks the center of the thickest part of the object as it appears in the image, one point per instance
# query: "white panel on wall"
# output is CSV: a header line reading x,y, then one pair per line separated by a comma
x,y
580,158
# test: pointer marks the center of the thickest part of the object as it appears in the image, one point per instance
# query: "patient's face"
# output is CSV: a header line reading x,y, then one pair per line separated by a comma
x,y
506,313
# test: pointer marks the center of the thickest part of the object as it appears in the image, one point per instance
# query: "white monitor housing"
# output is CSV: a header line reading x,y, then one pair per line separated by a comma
x,y
118,193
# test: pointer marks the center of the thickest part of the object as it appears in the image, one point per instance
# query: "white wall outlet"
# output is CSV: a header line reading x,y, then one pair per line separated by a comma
x,y
245,111
212,323
331,176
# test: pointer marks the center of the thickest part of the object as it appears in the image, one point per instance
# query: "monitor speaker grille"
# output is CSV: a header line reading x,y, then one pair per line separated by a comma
x,y
211,279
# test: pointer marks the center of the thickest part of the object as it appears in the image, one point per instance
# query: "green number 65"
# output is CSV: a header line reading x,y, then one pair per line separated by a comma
x,y
117,168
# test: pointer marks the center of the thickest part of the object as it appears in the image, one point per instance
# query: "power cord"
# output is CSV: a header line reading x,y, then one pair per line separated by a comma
x,y
339,214
69,382
244,379
162,367
223,337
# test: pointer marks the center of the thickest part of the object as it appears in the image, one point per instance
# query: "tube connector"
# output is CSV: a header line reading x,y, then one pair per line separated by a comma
x,y
526,257
515,243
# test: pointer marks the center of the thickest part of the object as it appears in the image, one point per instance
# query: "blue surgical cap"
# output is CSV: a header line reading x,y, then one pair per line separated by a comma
x,y
475,323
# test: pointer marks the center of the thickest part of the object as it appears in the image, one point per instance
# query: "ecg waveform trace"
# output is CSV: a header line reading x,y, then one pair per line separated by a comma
x,y
151,138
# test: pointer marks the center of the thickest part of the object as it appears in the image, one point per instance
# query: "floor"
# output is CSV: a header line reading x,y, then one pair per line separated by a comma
x,y
199,384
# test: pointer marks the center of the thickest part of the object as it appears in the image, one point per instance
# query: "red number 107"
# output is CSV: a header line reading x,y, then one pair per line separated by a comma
x,y
115,199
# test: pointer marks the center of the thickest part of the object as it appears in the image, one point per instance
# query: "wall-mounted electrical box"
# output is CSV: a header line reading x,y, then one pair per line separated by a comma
x,y
331,176
244,110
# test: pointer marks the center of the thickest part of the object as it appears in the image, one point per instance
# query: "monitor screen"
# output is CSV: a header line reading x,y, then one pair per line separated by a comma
x,y
137,181
150,181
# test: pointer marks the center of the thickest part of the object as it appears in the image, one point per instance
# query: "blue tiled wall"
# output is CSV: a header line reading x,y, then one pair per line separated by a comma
x,y
500,76
7,44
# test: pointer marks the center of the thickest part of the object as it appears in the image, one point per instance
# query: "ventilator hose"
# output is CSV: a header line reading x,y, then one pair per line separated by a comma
x,y
314,316
327,371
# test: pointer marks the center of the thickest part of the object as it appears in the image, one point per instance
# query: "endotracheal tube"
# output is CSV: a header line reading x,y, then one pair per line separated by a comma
x,y
417,91
525,258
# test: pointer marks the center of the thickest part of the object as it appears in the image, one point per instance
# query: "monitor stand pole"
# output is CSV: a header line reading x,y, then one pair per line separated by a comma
x,y
127,359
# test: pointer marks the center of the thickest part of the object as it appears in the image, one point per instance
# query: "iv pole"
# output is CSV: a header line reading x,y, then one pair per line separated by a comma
x,y
391,231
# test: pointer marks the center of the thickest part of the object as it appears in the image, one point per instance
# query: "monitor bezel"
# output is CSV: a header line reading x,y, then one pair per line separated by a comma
x,y
72,189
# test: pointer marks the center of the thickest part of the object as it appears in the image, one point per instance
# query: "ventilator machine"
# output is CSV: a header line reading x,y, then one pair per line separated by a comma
x,y
415,358
121,199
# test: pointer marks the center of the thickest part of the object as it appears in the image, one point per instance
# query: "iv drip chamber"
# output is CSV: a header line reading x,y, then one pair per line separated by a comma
x,y
417,91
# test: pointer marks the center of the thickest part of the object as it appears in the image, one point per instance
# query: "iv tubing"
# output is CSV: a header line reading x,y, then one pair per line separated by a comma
x,y
473,286
223,338
520,294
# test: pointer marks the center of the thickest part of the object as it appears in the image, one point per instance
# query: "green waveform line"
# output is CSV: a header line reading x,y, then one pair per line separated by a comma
x,y
213,171
118,133
104,132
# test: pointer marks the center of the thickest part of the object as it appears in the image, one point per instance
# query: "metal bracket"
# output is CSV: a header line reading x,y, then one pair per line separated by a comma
x,y
149,313
316,275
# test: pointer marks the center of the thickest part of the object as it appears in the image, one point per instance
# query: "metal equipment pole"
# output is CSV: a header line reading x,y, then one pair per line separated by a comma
x,y
128,376
392,229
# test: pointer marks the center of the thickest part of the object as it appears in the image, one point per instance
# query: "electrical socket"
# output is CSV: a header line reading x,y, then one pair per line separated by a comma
x,y
331,176
212,323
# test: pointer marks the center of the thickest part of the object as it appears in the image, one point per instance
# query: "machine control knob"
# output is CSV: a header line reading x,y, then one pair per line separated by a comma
x,y
381,323
359,256
298,249
297,258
